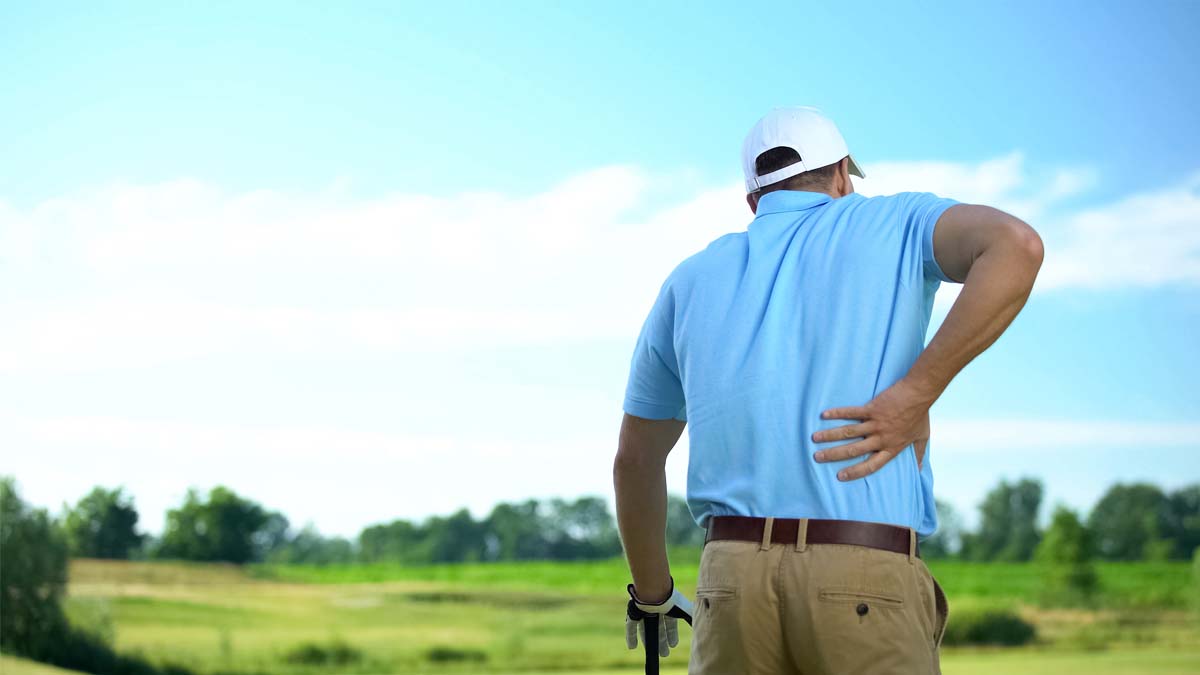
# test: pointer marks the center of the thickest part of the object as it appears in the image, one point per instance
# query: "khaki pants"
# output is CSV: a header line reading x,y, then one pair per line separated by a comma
x,y
815,609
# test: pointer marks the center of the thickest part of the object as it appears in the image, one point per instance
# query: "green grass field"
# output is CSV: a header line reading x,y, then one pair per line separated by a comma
x,y
556,617
1140,662
1133,662
1159,585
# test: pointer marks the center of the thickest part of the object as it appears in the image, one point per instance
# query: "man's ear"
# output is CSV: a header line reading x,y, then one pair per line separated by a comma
x,y
844,173
752,200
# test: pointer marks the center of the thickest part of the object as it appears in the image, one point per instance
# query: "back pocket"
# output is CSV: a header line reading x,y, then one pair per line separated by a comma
x,y
855,596
706,596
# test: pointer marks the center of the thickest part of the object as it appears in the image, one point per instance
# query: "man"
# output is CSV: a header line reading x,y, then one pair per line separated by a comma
x,y
795,351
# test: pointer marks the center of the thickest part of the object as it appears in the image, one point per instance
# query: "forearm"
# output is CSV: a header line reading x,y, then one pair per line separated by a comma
x,y
994,291
641,494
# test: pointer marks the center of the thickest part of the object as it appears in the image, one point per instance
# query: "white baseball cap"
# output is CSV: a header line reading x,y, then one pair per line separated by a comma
x,y
812,135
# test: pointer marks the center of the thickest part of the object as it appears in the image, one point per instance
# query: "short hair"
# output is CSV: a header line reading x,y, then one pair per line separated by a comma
x,y
778,158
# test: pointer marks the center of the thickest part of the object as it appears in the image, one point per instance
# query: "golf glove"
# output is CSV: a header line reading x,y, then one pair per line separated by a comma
x,y
675,607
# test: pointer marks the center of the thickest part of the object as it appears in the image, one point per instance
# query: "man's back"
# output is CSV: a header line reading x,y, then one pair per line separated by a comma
x,y
822,302
808,328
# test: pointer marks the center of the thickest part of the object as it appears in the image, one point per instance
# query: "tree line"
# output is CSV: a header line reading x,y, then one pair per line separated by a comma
x,y
1130,522
1135,521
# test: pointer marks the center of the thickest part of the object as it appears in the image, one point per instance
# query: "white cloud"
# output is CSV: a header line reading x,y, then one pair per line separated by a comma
x,y
337,477
979,435
1004,182
181,269
983,182
114,333
137,275
1142,240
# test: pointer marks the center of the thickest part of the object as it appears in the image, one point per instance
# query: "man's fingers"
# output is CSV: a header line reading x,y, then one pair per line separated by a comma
x,y
849,413
843,433
848,451
867,466
663,650
672,631
631,633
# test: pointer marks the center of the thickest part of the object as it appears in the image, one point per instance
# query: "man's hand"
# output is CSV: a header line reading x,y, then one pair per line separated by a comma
x,y
997,256
640,481
893,420
669,611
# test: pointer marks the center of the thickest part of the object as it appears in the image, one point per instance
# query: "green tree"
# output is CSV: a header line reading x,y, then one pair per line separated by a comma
x,y
397,541
947,541
515,532
33,562
682,529
226,528
33,558
1184,520
103,525
457,538
274,534
308,547
1066,552
1008,525
583,528
1132,522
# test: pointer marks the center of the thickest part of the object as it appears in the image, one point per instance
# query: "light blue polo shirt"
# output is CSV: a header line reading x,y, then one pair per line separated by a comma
x,y
820,303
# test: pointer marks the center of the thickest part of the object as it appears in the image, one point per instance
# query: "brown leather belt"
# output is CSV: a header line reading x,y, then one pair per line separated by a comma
x,y
784,531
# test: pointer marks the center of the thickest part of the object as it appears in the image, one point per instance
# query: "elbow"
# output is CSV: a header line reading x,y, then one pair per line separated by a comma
x,y
1031,243
1027,243
620,465
625,462
629,462
625,468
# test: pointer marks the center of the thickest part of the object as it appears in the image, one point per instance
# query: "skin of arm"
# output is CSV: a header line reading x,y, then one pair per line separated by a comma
x,y
640,481
997,257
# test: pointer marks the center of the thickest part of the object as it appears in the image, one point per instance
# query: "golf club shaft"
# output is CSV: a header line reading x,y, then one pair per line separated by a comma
x,y
651,627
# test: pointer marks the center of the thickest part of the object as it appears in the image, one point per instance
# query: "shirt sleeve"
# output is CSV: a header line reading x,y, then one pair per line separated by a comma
x,y
654,390
924,210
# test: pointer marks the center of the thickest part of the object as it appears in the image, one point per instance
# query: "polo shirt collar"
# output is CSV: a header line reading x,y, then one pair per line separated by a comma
x,y
790,200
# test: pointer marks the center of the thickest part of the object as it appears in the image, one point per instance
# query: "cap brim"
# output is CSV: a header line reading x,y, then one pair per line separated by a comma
x,y
854,169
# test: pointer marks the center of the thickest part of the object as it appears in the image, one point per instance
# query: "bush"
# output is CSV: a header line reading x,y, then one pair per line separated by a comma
x,y
994,626
335,653
1196,578
1066,554
442,654
33,556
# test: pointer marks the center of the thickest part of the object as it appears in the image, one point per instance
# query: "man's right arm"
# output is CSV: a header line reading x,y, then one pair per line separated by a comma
x,y
997,257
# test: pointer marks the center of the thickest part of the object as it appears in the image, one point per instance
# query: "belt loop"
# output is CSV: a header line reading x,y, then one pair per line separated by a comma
x,y
802,536
912,545
766,540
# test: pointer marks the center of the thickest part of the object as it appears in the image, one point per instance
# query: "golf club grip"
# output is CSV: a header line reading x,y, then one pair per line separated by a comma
x,y
651,627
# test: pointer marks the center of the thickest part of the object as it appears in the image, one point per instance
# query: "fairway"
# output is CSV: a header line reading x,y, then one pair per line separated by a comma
x,y
546,618
1132,662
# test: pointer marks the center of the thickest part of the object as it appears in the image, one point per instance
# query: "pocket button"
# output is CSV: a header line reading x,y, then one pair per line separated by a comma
x,y
862,609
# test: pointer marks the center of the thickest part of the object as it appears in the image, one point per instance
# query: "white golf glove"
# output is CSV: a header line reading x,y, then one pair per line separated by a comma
x,y
675,607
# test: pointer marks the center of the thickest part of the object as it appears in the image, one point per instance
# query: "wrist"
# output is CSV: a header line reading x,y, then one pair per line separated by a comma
x,y
927,389
654,595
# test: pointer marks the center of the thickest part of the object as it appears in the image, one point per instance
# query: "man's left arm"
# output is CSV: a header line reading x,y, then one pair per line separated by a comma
x,y
640,480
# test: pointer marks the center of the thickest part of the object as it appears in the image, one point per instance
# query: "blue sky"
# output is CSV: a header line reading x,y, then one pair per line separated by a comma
x,y
385,260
